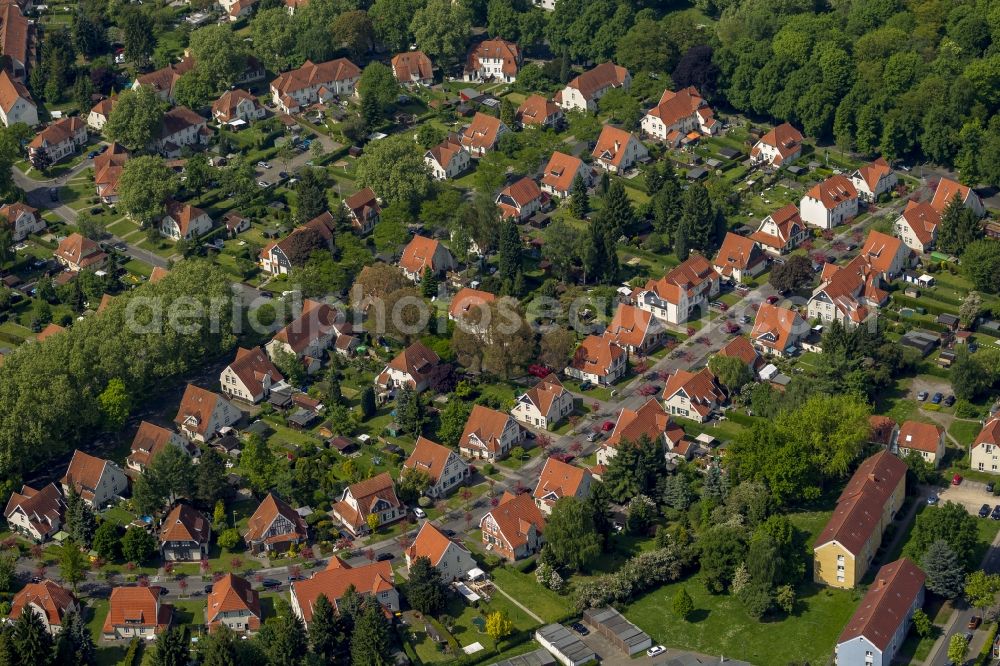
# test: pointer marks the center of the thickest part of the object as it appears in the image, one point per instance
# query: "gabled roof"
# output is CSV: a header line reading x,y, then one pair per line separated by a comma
x,y
429,457
514,516
196,408
873,172
923,219
14,33
535,109
859,509
739,347
164,79
48,332
149,441
487,426
559,479
561,171
469,299
11,211
137,607
183,214
311,74
58,132
990,434
786,219
674,107
495,49
630,325
411,66
596,355
516,196
267,512
419,254
445,152
611,145
833,191
650,420
233,594
919,436
774,326
252,366
84,473
366,493
737,253
11,91
886,605
225,106
417,361
178,119
42,508
431,543
482,132
184,523
880,249
684,278
317,319
361,200
333,582
543,394
785,139
603,76
80,250
47,596
946,190
700,388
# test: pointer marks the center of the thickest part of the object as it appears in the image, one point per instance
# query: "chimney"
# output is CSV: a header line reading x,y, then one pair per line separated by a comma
x,y
618,145
881,582
871,476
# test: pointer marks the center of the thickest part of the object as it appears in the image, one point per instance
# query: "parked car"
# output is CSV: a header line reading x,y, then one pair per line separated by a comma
x,y
990,487
922,396
936,399
271,583
995,515
580,629
592,437
608,426
586,385
932,499
655,650
772,299
949,401
384,557
974,622
984,510
650,376
956,480
419,513
745,319
732,327
208,589
263,165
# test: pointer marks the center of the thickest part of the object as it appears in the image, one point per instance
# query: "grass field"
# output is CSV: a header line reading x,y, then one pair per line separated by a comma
x,y
548,605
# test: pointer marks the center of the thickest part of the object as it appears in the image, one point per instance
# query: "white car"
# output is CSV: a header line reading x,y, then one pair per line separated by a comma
x,y
419,513
655,650
263,165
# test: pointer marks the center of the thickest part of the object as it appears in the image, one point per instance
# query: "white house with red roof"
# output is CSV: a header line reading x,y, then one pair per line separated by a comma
x,y
830,203
181,127
136,612
203,413
374,580
692,395
874,179
561,171
185,535
449,159
108,168
678,115
520,200
274,526
314,82
649,420
493,60
277,256
452,560
417,367
251,376
544,405
423,253
678,294
309,335
235,604
739,258
21,220
57,141
781,232
49,601
848,294
947,190
635,330
537,111
984,453
363,210
885,254
925,439
618,151
482,134
35,514
777,331
583,92
489,435
468,304
97,481
598,359
182,221
514,529
445,468
412,68
558,480
372,497
16,104
779,147
150,440
237,107
77,252
917,226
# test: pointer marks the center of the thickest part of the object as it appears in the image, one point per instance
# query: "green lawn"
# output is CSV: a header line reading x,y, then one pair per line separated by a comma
x,y
964,431
549,605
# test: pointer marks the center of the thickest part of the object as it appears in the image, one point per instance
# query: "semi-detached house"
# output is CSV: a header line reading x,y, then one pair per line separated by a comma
x,y
599,359
452,560
781,232
374,580
520,200
917,226
251,376
136,612
422,254
537,111
830,203
372,497
35,514
58,141
417,367
678,115
314,82
559,480
676,296
650,420
489,435
482,134
544,405
739,258
95,480
309,335
49,601
617,151
514,529
561,172
779,147
583,92
445,468
635,330
202,413
180,127
693,395
873,180
493,60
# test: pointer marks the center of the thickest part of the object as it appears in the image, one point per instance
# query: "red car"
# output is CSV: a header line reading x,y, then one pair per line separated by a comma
x,y
608,426
648,390
772,300
539,370
957,479
732,328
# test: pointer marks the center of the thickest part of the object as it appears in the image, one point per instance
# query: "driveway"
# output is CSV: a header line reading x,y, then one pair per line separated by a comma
x,y
293,165
970,494
931,385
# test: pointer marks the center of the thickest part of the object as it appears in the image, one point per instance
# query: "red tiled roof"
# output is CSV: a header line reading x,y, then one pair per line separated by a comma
x,y
990,434
411,66
559,479
482,132
919,436
873,172
49,331
739,347
53,599
700,388
535,109
183,214
611,145
317,319
886,605
79,250
495,49
676,106
184,523
683,278
149,441
14,33
833,191
469,299
196,408
84,473
923,219
416,360
43,508
252,366
233,594
312,74
545,392
419,254
514,517
225,106
880,249
11,91
774,326
431,543
785,139
445,152
630,325
737,253
429,457
946,190
603,76
561,171
487,425
137,607
266,513
650,420
333,582
596,355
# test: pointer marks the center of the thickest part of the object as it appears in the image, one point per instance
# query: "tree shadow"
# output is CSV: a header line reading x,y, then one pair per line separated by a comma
x,y
699,615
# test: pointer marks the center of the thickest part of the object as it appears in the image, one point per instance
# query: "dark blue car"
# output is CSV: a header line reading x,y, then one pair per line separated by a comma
x,y
936,399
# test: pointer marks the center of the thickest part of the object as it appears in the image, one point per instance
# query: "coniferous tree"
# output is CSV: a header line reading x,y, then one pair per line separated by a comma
x,y
325,631
80,521
509,253
368,407
580,201
30,641
370,639
220,648
945,573
618,209
958,228
74,645
428,283
424,588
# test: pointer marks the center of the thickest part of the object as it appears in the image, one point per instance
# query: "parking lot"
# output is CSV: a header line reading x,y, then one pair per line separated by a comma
x,y
970,494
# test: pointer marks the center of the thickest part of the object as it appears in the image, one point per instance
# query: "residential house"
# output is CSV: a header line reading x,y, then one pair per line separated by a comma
x,y
58,141
236,223
311,83
21,220
493,60
948,189
830,203
925,439
561,172
844,550
544,405
873,180
76,253
885,254
558,480
99,113
848,294
883,430
781,232
180,127
650,420
514,529
537,111
237,107
309,335
185,535
467,307
520,200
917,226
985,450
448,159
363,500
489,435
452,560
416,367
150,440
635,330
274,526
363,210
881,622
413,68
136,612
237,9
108,167
48,332
16,104
618,151
423,253
741,348
583,92
203,413
35,514
678,116
251,376
49,601
445,469
599,360
97,481
482,134
777,331
779,147
183,221
163,81
17,40
674,298
234,603
739,258
693,395
375,580
278,257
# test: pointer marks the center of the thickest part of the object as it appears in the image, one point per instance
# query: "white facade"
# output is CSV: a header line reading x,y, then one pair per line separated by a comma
x,y
21,111
527,412
198,226
814,212
24,224
459,161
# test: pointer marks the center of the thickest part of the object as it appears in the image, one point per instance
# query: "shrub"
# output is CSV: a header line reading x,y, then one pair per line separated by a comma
x,y
640,573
